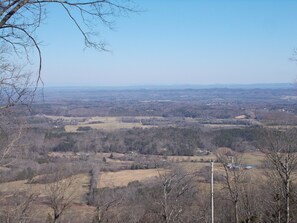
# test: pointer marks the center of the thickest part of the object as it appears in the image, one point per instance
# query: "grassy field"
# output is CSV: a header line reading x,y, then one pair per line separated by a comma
x,y
253,158
122,178
111,123
80,211
104,123
79,186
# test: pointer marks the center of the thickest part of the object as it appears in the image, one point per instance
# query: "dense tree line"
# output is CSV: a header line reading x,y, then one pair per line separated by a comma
x,y
161,141
239,139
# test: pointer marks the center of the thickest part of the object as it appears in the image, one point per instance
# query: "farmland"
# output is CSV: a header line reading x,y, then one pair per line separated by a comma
x,y
124,177
104,159
101,123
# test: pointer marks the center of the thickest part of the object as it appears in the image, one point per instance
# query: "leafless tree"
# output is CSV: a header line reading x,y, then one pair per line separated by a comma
x,y
14,81
250,205
17,208
19,20
234,177
60,195
11,130
175,186
272,204
280,149
105,200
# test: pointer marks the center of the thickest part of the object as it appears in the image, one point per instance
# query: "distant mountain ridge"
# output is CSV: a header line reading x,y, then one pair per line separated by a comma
x,y
179,87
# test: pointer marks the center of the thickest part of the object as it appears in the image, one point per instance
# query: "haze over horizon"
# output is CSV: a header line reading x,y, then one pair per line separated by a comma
x,y
181,43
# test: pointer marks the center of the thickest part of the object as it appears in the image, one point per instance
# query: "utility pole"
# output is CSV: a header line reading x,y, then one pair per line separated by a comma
x,y
211,188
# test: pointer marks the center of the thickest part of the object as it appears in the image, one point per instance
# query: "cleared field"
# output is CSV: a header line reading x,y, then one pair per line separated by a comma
x,y
219,126
104,123
80,187
191,167
122,178
107,126
253,158
111,123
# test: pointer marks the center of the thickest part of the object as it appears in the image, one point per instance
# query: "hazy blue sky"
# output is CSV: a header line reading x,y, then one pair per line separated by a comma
x,y
178,42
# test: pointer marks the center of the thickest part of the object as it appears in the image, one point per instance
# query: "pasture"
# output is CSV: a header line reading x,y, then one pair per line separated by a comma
x,y
107,123
124,177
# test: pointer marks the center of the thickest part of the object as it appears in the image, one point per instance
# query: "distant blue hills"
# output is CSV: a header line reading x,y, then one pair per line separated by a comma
x,y
179,87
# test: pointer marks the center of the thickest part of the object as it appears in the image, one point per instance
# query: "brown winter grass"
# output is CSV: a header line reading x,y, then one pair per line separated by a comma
x,y
78,212
191,167
106,126
122,178
108,123
79,186
253,158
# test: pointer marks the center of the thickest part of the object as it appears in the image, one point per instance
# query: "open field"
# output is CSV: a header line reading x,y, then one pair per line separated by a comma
x,y
122,178
111,123
104,123
106,126
253,158
80,211
79,186
193,167
139,137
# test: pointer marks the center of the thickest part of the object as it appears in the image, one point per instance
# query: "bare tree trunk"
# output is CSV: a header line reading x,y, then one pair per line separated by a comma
x,y
287,204
56,217
165,206
233,177
280,148
279,211
287,194
236,211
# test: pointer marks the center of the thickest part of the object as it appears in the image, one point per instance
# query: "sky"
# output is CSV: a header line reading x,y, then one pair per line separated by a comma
x,y
177,42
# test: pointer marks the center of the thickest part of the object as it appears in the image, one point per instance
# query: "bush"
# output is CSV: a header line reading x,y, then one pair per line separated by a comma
x,y
26,174
84,128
